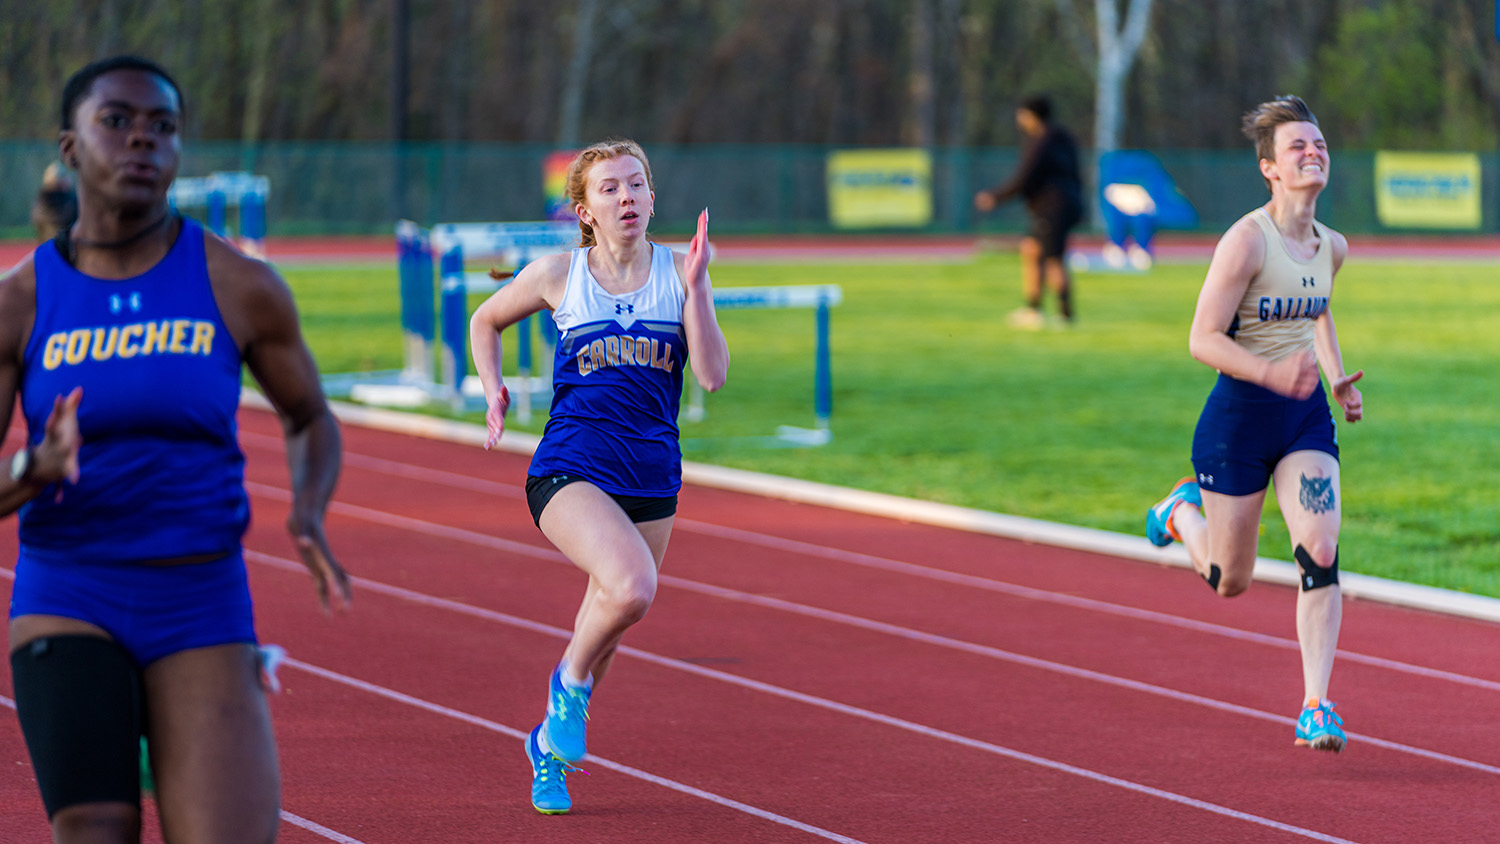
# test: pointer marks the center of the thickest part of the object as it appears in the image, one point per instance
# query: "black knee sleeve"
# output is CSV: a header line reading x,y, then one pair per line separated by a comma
x,y
1315,576
79,702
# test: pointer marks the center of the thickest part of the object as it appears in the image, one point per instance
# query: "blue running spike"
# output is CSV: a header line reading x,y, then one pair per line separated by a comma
x,y
1319,727
549,778
567,719
1158,517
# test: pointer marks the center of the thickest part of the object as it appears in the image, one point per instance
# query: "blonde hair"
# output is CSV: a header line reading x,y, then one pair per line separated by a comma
x,y
578,175
1259,124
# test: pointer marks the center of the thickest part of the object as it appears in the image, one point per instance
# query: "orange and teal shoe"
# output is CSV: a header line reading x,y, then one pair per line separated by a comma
x,y
1159,527
549,778
1319,727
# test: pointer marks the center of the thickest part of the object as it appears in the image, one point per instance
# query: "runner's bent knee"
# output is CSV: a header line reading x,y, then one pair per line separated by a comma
x,y
1322,550
1230,587
631,595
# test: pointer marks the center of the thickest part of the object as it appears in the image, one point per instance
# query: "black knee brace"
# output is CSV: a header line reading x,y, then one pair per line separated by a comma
x,y
79,702
1315,576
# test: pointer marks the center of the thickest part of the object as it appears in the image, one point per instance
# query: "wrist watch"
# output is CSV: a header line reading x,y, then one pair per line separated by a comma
x,y
20,465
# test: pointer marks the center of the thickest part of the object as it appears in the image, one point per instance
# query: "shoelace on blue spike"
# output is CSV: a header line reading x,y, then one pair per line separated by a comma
x,y
554,765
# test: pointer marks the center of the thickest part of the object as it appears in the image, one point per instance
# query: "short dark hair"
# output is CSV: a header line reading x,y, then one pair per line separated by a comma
x,y
1040,105
81,82
1259,123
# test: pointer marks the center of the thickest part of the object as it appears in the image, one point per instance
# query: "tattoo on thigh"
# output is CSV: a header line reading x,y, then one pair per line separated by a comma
x,y
1317,494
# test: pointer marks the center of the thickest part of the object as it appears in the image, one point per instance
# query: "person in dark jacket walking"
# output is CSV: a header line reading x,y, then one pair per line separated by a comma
x,y
1048,180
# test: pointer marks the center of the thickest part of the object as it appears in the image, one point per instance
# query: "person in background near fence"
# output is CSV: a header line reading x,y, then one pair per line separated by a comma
x,y
124,338
1263,321
56,205
1048,180
603,483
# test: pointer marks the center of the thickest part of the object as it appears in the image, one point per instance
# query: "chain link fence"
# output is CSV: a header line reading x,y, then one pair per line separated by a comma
x,y
363,188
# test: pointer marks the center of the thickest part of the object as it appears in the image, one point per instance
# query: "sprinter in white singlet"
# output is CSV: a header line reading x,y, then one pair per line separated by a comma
x,y
1263,321
603,483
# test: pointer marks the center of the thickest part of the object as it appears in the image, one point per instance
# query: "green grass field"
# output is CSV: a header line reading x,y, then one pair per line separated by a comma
x,y
935,398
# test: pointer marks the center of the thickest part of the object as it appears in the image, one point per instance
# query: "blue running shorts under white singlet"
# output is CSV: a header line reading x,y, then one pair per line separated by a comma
x,y
152,610
1246,429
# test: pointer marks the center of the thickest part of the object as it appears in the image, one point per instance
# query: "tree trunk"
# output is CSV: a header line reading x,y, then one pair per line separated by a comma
x,y
259,38
1117,51
921,123
578,72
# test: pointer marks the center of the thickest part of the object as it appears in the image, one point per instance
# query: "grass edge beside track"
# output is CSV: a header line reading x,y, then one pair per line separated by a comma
x,y
1267,570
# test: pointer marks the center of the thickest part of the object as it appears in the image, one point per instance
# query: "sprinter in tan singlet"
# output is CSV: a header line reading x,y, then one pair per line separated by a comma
x,y
1263,321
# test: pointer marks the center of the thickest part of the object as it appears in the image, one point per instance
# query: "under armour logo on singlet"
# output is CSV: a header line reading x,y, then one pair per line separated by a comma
x,y
116,305
622,308
1309,281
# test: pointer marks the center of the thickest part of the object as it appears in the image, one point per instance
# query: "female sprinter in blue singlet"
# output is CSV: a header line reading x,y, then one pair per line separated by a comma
x,y
603,483
1264,323
130,614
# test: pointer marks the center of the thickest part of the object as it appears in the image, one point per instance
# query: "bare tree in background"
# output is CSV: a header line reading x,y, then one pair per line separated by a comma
x,y
1117,52
1117,49
934,77
578,72
922,118
775,71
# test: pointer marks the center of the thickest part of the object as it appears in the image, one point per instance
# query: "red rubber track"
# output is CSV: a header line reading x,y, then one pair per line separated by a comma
x,y
809,675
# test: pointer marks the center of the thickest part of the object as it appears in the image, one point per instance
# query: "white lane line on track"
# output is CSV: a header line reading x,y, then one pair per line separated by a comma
x,y
876,626
981,522
520,735
1031,593
288,817
853,557
317,828
764,688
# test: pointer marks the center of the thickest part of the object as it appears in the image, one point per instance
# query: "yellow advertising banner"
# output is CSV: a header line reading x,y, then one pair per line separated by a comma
x,y
879,188
1427,190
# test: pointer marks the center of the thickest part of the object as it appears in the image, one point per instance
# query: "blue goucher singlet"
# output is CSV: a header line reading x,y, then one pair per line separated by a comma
x,y
162,474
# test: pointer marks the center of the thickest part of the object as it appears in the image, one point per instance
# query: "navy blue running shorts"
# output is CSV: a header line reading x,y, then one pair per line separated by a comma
x,y
1246,429
640,508
151,610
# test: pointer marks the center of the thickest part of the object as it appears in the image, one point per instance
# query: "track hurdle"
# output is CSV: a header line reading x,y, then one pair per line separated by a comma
x,y
820,297
434,321
418,309
217,193
510,244
515,245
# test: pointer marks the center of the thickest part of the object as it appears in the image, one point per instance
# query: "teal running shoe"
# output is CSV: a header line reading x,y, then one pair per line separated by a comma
x,y
549,778
567,719
1319,727
1159,518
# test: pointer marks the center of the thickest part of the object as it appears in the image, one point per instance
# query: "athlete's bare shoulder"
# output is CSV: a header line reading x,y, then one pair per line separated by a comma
x,y
679,260
555,264
1242,249
1340,245
17,307
546,277
253,298
19,280
229,264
